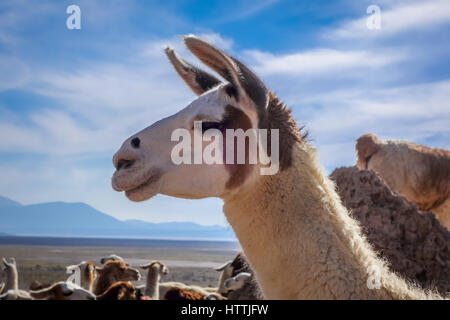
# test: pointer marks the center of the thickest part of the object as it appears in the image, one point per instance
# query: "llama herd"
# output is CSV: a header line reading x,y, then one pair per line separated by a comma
x,y
114,281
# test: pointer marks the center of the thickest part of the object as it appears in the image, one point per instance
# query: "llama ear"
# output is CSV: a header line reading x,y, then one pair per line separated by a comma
x,y
198,80
145,266
98,269
11,263
226,264
245,81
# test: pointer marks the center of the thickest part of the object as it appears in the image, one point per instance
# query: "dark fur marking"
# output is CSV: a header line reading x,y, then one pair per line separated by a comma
x,y
205,80
279,117
231,91
234,118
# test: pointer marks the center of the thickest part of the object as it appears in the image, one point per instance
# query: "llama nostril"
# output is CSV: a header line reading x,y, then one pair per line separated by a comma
x,y
124,164
135,143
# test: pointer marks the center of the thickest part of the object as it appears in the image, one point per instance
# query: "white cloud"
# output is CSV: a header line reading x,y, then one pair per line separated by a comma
x,y
411,16
15,73
319,61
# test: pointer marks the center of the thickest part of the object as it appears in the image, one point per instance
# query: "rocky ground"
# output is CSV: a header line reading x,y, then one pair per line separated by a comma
x,y
413,242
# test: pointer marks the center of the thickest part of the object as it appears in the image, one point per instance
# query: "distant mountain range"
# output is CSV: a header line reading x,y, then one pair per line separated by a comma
x,y
80,219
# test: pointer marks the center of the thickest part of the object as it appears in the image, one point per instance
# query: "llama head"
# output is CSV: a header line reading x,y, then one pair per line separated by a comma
x,y
118,271
9,265
238,281
145,162
156,267
366,146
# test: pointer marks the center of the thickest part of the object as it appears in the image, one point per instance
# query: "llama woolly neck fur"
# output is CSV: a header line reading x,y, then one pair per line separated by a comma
x,y
12,278
301,241
152,284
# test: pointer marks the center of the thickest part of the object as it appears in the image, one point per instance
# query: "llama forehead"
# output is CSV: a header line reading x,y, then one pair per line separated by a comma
x,y
210,104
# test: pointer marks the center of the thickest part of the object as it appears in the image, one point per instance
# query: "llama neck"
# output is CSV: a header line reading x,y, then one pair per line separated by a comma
x,y
12,279
152,286
103,282
87,282
301,241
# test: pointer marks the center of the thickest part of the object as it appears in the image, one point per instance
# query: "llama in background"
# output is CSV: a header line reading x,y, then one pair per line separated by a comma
x,y
418,173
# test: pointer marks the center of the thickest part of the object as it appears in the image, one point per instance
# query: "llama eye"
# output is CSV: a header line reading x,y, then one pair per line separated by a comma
x,y
211,125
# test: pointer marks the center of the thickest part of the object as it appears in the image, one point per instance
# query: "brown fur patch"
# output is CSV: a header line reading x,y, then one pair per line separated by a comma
x,y
180,294
89,272
121,290
366,146
54,292
236,119
437,178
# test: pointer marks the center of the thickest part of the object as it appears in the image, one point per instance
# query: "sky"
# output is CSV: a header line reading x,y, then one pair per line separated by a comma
x,y
69,98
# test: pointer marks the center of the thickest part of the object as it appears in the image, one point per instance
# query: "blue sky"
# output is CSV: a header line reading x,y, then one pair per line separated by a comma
x,y
68,98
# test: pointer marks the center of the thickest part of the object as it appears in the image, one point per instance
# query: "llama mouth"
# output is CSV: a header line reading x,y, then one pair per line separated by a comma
x,y
143,191
132,180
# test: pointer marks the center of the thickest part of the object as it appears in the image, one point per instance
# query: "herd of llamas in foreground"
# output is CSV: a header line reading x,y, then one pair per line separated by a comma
x,y
292,221
113,281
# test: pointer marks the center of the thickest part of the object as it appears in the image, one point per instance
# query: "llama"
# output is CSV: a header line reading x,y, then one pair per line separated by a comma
x,y
121,290
177,294
418,173
249,290
156,269
11,289
87,274
12,276
298,237
112,272
166,286
63,291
